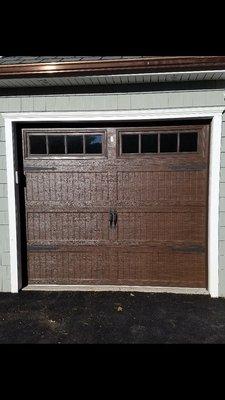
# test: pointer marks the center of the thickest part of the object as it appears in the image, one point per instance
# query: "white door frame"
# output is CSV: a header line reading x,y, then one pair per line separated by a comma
x,y
214,113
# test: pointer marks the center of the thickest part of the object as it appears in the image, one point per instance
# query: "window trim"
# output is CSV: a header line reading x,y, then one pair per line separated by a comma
x,y
157,130
27,132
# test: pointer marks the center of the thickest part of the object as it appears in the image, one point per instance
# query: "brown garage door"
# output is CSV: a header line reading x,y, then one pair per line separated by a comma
x,y
125,206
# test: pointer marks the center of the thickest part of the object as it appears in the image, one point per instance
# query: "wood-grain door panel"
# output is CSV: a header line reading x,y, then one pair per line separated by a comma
x,y
110,266
161,203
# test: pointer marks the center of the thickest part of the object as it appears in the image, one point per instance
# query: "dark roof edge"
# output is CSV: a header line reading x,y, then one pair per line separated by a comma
x,y
105,67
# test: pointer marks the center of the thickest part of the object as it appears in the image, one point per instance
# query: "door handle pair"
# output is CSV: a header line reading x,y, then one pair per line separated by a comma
x,y
112,218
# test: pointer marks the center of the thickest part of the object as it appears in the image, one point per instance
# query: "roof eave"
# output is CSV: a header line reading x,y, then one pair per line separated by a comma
x,y
107,67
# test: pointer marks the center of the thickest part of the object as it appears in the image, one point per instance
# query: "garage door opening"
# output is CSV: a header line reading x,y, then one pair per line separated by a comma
x,y
114,204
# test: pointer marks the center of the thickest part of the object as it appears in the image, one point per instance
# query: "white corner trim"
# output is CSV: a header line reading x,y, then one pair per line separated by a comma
x,y
215,113
11,206
213,205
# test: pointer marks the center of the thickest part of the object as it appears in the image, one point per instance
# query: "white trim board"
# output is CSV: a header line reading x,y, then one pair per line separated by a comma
x,y
115,115
215,113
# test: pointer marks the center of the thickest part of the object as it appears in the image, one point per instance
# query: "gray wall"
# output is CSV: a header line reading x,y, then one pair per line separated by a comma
x,y
118,101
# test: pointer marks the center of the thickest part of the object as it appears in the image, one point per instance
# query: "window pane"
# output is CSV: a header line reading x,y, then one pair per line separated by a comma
x,y
188,141
38,145
149,143
130,143
168,142
56,144
74,144
93,144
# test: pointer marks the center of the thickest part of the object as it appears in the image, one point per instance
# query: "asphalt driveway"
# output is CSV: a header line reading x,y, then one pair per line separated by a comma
x,y
100,317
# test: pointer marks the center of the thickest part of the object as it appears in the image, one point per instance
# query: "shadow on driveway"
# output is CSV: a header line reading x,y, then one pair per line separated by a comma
x,y
112,317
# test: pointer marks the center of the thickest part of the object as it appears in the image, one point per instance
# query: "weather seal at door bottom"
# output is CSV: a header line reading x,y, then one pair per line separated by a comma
x,y
115,288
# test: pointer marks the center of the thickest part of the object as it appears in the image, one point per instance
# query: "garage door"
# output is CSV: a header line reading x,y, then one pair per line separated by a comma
x,y
122,206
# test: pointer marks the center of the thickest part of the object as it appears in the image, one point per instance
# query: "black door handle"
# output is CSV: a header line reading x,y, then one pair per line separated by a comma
x,y
111,217
115,218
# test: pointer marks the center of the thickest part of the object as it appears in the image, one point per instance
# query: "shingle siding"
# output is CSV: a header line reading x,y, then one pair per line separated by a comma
x,y
27,104
3,190
2,133
5,258
4,234
3,178
3,204
222,203
4,218
98,102
39,103
2,162
222,218
222,175
2,148
4,278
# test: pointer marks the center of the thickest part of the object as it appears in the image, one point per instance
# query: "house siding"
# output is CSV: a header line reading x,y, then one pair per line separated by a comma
x,y
99,102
